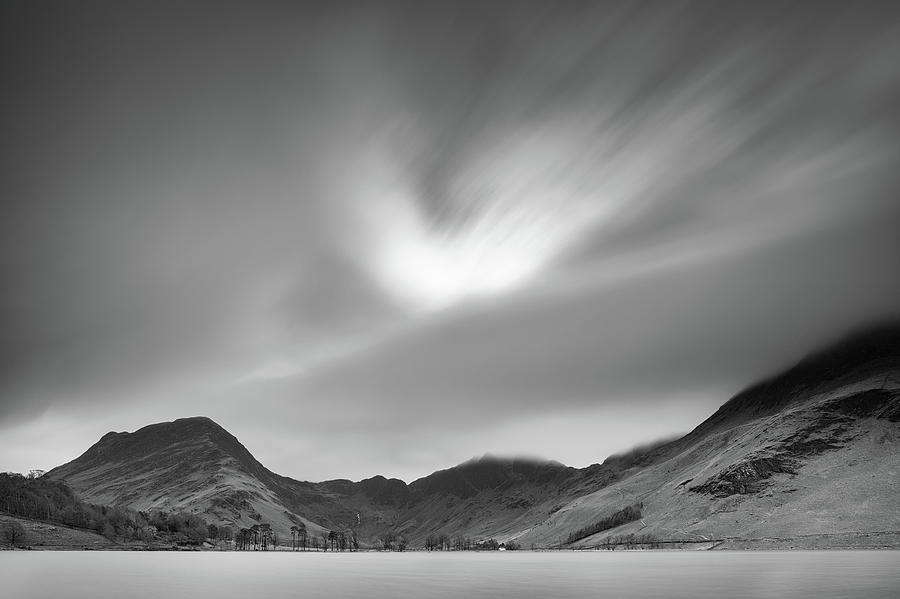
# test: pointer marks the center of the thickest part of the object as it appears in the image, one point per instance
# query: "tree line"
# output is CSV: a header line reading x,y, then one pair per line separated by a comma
x,y
37,497
623,516
443,542
631,541
259,537
393,541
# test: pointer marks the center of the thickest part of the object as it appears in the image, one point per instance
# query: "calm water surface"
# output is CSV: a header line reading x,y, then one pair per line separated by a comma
x,y
97,575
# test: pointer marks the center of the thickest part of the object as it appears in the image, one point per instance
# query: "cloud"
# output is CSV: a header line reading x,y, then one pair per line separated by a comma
x,y
441,214
703,322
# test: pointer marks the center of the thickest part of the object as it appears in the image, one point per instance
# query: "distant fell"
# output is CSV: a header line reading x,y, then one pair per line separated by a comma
x,y
809,458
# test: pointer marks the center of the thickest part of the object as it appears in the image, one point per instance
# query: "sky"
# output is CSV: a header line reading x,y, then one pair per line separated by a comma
x,y
383,238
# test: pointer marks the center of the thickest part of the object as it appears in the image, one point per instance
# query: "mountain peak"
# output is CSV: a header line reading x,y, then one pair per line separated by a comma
x,y
194,422
489,472
205,419
870,351
195,443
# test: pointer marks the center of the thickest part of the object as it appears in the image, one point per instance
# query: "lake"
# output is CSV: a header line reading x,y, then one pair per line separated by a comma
x,y
97,575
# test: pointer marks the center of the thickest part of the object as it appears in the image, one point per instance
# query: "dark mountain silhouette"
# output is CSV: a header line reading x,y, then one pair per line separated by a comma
x,y
875,350
812,451
490,474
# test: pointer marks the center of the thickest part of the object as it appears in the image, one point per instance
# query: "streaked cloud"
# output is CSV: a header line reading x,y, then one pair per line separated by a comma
x,y
450,222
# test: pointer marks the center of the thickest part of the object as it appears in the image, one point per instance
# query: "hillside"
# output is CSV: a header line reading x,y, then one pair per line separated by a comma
x,y
194,465
43,535
807,458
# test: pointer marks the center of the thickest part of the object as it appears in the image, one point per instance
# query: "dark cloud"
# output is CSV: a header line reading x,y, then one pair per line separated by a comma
x,y
431,215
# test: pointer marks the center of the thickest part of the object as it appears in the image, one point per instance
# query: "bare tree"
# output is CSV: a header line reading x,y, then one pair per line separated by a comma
x,y
13,534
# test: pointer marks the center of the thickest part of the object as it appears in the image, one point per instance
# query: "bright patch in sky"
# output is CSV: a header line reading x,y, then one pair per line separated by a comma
x,y
507,215
495,254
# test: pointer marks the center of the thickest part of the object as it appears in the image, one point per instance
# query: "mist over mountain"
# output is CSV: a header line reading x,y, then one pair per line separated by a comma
x,y
805,458
381,238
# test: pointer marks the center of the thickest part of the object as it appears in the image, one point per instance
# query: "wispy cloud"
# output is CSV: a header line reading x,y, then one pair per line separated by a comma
x,y
445,213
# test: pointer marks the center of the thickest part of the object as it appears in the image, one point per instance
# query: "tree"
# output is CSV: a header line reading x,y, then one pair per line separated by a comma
x,y
387,541
13,534
293,537
301,535
265,534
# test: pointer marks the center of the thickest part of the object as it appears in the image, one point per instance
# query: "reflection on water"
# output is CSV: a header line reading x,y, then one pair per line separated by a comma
x,y
96,575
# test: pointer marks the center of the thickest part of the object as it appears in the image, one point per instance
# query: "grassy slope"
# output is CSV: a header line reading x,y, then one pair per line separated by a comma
x,y
195,491
40,535
191,465
843,485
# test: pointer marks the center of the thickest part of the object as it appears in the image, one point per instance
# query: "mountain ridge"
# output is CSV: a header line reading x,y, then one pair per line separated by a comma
x,y
835,406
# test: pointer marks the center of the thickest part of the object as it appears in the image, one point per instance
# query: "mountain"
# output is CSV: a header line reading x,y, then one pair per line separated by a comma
x,y
805,458
191,464
194,465
808,458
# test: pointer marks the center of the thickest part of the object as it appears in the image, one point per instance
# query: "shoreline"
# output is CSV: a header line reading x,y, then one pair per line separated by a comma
x,y
45,536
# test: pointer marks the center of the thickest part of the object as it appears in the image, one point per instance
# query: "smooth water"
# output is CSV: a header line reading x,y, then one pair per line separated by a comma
x,y
97,575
